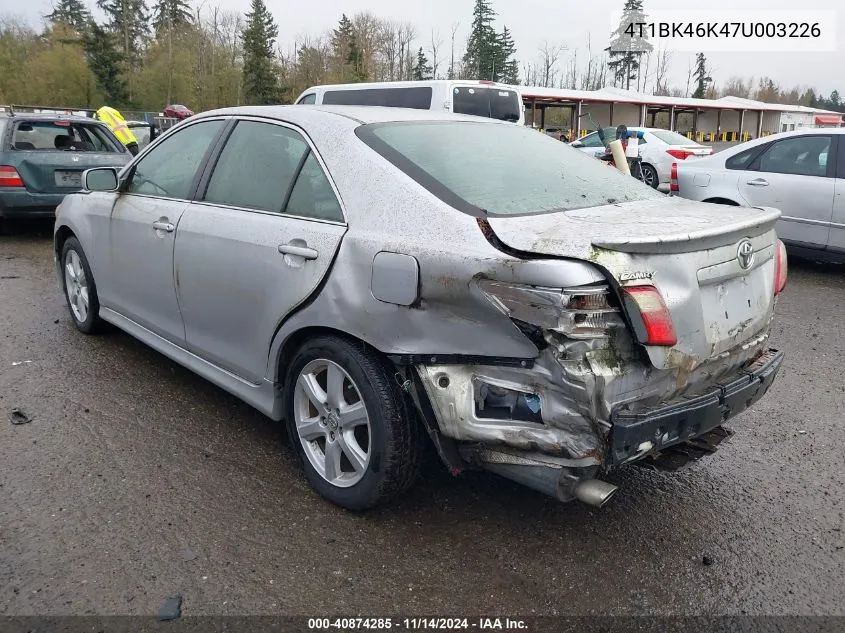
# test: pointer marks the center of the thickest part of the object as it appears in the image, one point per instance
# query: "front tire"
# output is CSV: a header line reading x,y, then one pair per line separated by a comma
x,y
80,289
356,437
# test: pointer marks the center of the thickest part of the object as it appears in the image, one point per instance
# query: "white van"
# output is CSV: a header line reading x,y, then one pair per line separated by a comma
x,y
479,98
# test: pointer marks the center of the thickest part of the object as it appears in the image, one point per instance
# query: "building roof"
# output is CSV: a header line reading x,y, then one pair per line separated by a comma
x,y
620,95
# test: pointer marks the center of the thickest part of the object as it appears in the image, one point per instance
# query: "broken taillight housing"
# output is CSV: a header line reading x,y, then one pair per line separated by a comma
x,y
580,313
658,328
780,268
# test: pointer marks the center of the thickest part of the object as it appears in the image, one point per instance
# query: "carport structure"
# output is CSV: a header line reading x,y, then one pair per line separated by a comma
x,y
725,119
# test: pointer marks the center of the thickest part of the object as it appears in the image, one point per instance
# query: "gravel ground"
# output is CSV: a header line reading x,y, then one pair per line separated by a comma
x,y
137,480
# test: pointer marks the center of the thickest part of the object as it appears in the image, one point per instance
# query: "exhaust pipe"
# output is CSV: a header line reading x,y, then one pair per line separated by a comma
x,y
594,492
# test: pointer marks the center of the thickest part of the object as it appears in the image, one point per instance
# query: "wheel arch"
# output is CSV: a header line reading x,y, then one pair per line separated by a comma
x,y
721,200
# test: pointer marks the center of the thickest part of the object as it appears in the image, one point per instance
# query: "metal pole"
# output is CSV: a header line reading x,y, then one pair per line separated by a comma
x,y
578,121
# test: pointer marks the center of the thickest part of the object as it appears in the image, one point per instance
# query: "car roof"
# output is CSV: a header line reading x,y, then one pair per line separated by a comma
x,y
47,116
359,114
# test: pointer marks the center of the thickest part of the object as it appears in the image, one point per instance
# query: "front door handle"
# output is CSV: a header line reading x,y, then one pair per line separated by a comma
x,y
759,182
299,251
163,225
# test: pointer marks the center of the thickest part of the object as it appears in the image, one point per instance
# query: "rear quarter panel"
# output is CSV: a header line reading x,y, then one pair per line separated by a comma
x,y
707,178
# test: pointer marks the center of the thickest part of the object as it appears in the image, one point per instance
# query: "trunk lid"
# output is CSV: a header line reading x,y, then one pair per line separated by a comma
x,y
688,250
60,171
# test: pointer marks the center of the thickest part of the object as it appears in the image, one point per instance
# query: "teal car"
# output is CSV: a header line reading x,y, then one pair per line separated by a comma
x,y
42,157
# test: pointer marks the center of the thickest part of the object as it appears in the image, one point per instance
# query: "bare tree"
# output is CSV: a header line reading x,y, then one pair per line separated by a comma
x,y
549,54
661,72
407,33
366,28
737,87
452,57
690,73
570,78
390,48
436,42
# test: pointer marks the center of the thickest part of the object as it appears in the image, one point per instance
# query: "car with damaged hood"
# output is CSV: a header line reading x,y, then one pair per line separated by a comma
x,y
380,277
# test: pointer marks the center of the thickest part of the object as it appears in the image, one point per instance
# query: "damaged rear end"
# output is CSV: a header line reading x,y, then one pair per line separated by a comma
x,y
645,361
643,367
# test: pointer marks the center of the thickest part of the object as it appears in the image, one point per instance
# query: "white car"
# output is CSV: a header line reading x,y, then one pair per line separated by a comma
x,y
802,173
658,150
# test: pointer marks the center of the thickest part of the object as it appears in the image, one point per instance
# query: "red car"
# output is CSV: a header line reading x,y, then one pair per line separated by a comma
x,y
177,111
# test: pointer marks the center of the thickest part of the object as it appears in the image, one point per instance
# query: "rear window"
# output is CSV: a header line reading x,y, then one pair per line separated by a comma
x,y
62,136
672,138
504,105
417,97
141,133
500,169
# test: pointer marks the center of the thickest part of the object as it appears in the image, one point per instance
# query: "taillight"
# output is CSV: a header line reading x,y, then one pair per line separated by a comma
x,y
659,329
780,268
680,154
673,178
582,312
9,177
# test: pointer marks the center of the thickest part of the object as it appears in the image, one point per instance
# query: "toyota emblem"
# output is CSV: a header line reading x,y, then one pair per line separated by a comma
x,y
745,254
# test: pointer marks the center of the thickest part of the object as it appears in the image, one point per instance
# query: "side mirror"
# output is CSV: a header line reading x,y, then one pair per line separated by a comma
x,y
100,179
576,144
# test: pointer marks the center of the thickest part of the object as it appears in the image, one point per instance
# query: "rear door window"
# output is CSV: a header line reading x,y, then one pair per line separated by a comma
x,y
840,173
63,136
417,97
256,167
800,156
312,195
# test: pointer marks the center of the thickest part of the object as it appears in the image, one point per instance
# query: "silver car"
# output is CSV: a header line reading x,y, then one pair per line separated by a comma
x,y
380,278
801,173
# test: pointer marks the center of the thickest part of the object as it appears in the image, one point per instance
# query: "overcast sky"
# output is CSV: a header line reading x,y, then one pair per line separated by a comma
x,y
533,22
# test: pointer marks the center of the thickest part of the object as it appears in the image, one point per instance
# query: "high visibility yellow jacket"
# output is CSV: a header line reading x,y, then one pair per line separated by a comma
x,y
117,123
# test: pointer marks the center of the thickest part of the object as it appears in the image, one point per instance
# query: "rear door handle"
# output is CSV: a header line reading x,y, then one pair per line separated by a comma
x,y
162,225
759,182
299,251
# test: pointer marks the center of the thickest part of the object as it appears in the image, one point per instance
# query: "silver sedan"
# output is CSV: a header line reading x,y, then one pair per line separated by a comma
x,y
381,278
801,173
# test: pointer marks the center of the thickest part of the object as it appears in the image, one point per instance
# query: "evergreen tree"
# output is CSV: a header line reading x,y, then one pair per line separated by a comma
x,y
507,68
835,101
422,69
627,45
261,86
482,46
74,13
808,99
702,77
173,15
348,56
127,20
104,60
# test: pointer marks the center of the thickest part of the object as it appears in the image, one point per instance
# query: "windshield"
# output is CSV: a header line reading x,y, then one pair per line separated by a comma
x,y
62,136
672,138
501,169
492,103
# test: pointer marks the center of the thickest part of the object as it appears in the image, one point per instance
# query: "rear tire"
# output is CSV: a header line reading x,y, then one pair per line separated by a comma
x,y
650,176
80,289
356,437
